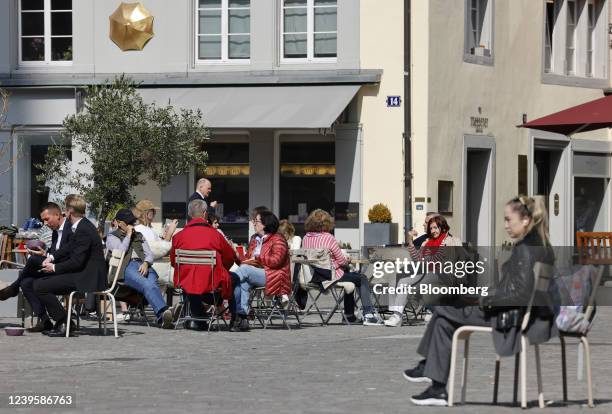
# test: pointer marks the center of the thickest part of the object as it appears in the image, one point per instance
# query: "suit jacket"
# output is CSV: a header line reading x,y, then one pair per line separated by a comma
x,y
66,236
85,261
195,279
196,196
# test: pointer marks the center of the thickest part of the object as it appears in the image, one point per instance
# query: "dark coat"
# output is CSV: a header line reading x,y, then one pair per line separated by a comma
x,y
196,196
515,288
85,261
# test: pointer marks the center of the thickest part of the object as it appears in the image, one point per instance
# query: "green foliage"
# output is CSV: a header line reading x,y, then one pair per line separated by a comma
x,y
379,213
124,142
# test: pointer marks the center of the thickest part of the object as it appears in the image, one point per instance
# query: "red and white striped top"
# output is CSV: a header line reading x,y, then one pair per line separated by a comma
x,y
324,240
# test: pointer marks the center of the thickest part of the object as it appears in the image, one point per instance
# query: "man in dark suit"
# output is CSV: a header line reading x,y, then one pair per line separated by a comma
x,y
81,267
203,189
51,215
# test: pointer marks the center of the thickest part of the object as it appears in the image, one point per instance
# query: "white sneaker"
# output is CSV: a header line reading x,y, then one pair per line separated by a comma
x,y
394,321
373,319
120,317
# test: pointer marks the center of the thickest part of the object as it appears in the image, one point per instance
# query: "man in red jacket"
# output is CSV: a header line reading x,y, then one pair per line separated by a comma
x,y
196,280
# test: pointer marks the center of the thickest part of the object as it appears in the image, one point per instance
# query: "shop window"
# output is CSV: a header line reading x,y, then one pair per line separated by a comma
x,y
45,31
228,171
307,180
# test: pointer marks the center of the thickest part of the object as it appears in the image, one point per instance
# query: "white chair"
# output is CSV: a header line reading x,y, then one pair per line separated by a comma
x,y
542,276
114,266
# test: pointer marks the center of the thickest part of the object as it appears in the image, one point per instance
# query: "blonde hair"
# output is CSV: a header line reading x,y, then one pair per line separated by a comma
x,y
77,204
535,209
319,221
286,229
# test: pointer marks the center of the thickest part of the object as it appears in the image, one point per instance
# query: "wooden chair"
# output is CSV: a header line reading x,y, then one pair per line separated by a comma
x,y
594,247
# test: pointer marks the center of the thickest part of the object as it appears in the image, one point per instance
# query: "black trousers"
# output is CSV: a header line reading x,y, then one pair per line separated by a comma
x,y
436,344
26,279
47,289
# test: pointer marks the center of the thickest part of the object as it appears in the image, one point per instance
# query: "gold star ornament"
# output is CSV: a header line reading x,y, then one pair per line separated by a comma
x,y
131,26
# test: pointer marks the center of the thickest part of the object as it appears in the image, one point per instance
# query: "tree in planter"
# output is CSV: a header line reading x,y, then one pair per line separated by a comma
x,y
125,142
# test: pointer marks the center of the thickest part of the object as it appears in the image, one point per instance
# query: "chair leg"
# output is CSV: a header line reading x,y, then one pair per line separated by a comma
x,y
466,354
539,377
563,368
523,371
453,365
515,386
114,310
69,314
496,379
587,356
105,307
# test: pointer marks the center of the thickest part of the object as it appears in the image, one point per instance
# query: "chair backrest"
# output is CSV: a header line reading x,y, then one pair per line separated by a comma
x,y
115,262
195,257
590,306
594,247
322,259
542,273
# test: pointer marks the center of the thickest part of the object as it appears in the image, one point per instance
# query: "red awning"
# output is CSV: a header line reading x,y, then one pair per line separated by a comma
x,y
592,115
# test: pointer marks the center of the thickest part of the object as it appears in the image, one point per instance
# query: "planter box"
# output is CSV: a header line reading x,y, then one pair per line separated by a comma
x,y
378,234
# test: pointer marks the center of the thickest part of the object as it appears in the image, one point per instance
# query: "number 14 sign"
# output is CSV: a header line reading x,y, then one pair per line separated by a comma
x,y
394,101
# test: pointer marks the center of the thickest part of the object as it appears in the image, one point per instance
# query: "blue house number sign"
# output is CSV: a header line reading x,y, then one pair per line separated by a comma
x,y
394,101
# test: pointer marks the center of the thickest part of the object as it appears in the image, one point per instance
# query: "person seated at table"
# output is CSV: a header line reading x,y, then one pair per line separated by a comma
x,y
52,216
267,264
318,226
197,282
525,222
78,267
288,231
136,267
145,212
431,248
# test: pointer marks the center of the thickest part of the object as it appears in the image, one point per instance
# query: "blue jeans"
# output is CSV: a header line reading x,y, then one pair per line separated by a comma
x,y
147,285
250,277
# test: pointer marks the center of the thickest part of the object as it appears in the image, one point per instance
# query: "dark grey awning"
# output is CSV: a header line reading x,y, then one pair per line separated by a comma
x,y
314,106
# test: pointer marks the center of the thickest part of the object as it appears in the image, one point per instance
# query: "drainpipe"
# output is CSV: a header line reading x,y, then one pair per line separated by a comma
x,y
407,122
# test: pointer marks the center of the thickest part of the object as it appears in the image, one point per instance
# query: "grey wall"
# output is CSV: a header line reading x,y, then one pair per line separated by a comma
x,y
171,50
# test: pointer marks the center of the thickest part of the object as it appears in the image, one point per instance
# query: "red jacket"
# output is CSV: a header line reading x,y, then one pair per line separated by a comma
x,y
274,257
195,279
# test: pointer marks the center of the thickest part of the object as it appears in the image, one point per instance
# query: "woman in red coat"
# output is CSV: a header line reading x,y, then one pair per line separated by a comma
x,y
267,265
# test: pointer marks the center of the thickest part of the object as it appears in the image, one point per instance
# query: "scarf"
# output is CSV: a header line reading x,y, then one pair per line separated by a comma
x,y
430,248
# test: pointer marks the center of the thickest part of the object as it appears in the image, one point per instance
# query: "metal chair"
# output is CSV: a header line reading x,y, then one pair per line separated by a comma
x,y
542,276
197,258
266,308
114,267
320,258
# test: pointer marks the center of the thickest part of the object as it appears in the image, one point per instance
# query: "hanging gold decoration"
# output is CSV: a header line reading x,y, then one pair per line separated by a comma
x,y
131,26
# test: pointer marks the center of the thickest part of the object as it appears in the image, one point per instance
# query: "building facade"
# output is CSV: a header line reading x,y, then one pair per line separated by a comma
x,y
479,69
294,91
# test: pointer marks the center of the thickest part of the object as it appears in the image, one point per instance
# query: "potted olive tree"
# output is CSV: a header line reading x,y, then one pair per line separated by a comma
x,y
380,230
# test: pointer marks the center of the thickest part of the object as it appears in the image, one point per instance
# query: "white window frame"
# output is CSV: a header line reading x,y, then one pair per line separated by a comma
x,y
489,20
47,37
559,73
310,8
225,59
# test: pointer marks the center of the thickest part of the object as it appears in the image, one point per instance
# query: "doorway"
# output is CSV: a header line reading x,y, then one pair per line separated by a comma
x,y
479,190
550,181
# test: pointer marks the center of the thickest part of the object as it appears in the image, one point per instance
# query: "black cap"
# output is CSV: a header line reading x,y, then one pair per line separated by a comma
x,y
126,216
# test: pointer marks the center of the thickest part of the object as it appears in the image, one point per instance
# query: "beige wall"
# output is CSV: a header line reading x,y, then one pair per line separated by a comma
x,y
453,91
382,47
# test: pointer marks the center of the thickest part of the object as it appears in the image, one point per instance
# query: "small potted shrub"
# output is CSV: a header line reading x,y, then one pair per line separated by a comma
x,y
380,230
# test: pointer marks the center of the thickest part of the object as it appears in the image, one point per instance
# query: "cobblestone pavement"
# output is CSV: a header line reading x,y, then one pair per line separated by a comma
x,y
333,369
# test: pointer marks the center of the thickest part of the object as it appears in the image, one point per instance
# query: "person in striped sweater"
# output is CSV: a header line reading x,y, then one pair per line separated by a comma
x,y
318,226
